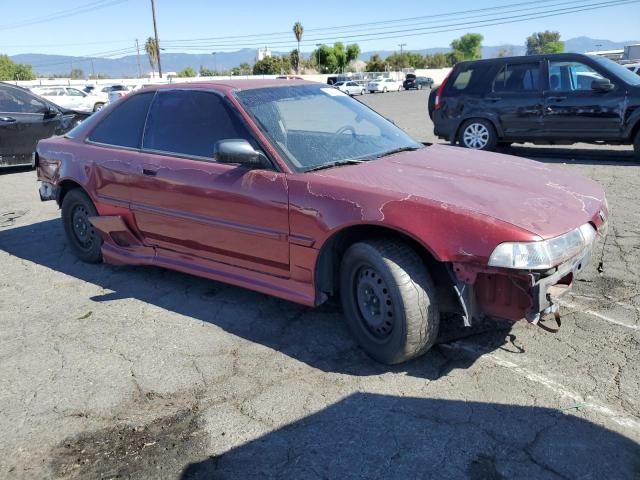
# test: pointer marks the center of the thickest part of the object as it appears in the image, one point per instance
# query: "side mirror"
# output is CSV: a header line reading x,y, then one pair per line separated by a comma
x,y
239,151
602,85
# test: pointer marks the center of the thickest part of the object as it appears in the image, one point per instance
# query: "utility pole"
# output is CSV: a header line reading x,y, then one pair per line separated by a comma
x,y
155,32
139,64
402,45
93,70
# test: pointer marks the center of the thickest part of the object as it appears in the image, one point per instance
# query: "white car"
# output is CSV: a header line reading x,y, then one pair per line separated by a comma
x,y
350,88
71,98
116,91
384,85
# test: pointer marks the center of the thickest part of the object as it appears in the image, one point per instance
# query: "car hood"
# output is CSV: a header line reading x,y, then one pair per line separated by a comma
x,y
542,199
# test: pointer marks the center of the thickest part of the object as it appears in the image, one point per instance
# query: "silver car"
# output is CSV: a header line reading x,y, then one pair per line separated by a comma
x,y
350,88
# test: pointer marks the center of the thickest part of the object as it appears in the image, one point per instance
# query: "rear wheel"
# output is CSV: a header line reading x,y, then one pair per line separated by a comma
x,y
636,144
478,134
84,241
389,300
98,106
362,92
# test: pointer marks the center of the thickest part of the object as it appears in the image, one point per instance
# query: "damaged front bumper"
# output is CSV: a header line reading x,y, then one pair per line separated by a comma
x,y
513,295
48,191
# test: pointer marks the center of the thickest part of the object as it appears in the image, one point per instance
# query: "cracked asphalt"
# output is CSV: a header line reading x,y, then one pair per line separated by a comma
x,y
136,372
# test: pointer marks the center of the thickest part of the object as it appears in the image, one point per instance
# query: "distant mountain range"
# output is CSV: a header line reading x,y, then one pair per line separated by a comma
x,y
172,62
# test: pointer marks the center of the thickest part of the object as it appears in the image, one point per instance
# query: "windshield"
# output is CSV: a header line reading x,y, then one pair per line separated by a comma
x,y
625,75
314,126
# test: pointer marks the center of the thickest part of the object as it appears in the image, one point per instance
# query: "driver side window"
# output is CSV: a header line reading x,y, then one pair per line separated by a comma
x,y
15,100
571,76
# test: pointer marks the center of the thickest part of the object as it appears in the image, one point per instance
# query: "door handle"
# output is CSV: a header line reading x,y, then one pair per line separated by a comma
x,y
557,98
493,99
151,172
8,119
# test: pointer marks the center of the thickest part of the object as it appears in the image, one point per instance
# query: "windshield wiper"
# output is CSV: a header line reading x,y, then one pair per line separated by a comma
x,y
335,164
398,150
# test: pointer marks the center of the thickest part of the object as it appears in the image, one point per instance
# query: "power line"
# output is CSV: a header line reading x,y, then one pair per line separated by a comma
x,y
425,30
369,24
90,7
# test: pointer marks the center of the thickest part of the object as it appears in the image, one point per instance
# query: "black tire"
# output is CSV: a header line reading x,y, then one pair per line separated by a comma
x,y
384,90
98,106
362,92
388,277
482,126
636,145
84,241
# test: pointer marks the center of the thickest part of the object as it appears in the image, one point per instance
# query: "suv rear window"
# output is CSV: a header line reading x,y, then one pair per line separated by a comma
x,y
469,79
123,126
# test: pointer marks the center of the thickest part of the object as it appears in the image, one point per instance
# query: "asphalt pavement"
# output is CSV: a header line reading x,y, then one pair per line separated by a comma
x,y
138,372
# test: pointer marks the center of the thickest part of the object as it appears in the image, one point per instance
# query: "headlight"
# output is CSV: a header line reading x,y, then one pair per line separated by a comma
x,y
543,254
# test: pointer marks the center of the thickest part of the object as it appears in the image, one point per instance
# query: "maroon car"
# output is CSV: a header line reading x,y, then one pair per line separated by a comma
x,y
296,190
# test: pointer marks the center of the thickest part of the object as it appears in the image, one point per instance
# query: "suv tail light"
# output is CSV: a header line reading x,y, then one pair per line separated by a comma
x,y
438,103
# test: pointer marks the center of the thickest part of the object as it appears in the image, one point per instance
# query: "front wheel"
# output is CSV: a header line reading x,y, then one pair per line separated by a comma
x,y
84,241
478,134
362,92
384,90
98,106
389,300
636,145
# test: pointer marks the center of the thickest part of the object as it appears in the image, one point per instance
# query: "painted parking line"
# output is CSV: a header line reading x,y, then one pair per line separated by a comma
x,y
577,309
622,419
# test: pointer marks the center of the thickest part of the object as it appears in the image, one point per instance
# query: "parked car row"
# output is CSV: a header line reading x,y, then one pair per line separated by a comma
x,y
544,99
383,85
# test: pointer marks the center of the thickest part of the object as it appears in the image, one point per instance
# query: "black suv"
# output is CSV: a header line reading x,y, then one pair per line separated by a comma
x,y
549,99
411,81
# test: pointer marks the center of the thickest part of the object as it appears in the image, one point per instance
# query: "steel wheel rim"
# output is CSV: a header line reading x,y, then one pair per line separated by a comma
x,y
81,227
476,136
374,302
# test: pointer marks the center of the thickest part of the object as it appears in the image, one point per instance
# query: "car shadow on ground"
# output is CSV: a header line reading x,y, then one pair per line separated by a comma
x,y
377,436
317,337
577,156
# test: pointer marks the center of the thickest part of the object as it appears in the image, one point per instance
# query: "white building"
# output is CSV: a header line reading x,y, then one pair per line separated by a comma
x,y
262,53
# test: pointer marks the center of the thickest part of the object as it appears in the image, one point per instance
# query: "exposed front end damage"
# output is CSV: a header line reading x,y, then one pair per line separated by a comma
x,y
518,294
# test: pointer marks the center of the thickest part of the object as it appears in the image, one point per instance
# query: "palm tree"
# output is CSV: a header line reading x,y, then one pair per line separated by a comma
x,y
298,31
151,47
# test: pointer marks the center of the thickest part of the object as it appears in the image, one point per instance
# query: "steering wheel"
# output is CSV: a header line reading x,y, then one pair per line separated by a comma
x,y
340,131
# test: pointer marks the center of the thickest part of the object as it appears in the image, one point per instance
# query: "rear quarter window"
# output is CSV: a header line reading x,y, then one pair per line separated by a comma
x,y
123,126
469,79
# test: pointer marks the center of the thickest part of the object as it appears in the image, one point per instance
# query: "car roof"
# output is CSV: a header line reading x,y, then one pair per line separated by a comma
x,y
527,58
233,85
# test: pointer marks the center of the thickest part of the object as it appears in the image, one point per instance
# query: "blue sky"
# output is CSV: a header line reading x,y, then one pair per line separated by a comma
x,y
118,23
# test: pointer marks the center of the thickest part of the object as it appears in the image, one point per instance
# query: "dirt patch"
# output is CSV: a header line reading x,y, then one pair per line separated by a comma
x,y
159,449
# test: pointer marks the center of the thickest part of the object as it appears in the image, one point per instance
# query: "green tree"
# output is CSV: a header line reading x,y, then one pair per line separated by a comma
x,y
242,69
375,64
294,60
151,47
206,72
272,66
76,74
187,72
298,30
544,42
468,46
438,60
398,61
353,52
9,70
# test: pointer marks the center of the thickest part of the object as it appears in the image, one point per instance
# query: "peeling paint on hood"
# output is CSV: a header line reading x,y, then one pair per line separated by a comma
x,y
543,199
